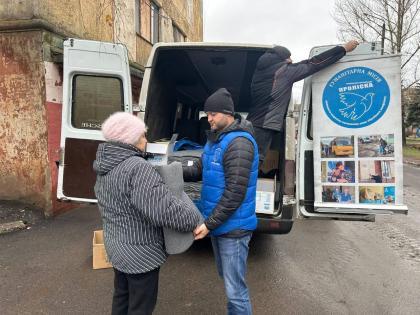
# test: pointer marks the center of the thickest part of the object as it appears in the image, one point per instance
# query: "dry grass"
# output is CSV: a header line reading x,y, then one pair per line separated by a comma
x,y
411,152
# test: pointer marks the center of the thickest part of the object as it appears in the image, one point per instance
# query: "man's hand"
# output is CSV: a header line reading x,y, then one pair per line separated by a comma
x,y
351,45
201,231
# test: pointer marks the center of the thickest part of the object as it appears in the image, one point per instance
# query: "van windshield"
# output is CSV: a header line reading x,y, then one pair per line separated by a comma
x,y
343,142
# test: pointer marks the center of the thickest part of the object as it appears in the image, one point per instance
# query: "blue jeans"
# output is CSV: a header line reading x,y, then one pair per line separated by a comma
x,y
231,255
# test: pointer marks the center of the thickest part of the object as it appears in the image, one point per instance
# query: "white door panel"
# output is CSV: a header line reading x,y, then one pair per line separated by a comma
x,y
96,83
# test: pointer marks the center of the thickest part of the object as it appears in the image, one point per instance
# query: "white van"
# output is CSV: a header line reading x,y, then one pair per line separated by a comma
x,y
177,80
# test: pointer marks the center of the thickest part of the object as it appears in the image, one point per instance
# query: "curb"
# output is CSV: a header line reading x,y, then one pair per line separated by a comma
x,y
11,227
414,163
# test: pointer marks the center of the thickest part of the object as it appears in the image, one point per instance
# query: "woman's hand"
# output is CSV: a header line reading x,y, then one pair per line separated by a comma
x,y
201,231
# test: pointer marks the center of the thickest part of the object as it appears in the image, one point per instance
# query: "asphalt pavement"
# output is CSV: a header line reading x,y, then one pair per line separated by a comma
x,y
321,267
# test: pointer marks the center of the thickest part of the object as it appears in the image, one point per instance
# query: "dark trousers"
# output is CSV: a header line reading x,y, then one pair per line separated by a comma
x,y
135,293
263,138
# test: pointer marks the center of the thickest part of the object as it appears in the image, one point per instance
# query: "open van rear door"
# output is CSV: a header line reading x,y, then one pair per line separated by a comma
x,y
350,164
96,83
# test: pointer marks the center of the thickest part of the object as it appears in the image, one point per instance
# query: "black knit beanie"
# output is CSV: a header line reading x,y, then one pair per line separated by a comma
x,y
282,52
220,102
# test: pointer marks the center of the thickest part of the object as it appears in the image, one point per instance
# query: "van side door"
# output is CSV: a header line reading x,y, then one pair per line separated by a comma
x,y
350,163
96,83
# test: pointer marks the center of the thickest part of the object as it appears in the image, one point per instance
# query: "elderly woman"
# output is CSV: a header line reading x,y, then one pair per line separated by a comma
x,y
135,205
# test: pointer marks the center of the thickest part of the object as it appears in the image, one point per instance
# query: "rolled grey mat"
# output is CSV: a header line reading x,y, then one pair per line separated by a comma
x,y
176,242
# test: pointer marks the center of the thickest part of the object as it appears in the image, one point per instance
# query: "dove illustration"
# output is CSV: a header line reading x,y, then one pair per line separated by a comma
x,y
355,105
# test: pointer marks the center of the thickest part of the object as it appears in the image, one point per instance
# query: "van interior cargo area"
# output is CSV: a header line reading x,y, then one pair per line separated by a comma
x,y
183,78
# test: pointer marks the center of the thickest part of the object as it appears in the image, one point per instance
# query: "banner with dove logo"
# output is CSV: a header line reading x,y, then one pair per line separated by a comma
x,y
356,97
357,134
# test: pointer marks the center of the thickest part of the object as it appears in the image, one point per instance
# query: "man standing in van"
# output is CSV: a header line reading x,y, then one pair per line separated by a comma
x,y
229,170
272,84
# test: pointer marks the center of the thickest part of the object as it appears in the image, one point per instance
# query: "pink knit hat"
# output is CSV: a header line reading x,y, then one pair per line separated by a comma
x,y
123,127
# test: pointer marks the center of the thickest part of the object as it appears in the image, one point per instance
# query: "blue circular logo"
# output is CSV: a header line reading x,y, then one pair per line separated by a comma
x,y
356,97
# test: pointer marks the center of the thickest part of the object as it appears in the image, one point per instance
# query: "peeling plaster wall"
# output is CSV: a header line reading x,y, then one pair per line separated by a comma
x,y
84,18
80,18
107,20
166,28
185,14
24,171
143,49
16,9
124,25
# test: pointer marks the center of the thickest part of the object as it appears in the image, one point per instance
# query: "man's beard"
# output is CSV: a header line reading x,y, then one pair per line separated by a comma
x,y
219,126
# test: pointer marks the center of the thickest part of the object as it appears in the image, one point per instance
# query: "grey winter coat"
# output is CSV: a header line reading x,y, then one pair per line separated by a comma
x,y
135,205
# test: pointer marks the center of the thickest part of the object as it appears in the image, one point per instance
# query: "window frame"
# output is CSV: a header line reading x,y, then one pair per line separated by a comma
x,y
137,22
74,91
154,13
153,10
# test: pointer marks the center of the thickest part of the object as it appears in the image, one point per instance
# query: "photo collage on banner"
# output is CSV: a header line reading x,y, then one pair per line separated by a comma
x,y
358,169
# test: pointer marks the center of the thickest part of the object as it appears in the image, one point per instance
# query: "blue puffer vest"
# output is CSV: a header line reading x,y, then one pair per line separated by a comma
x,y
214,185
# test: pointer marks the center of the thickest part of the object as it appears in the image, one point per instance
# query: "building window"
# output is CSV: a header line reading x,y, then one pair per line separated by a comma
x,y
137,15
94,99
147,20
178,35
154,16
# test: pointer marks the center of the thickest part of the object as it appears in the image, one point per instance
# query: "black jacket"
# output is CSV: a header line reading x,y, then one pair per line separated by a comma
x,y
237,163
272,83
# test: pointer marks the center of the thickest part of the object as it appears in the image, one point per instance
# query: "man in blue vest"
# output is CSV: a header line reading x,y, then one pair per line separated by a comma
x,y
229,170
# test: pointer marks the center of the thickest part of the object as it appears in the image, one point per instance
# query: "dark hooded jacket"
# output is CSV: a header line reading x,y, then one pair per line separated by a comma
x,y
237,163
135,205
272,83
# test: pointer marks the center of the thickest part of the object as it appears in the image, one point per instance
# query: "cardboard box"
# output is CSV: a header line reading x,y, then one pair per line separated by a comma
x,y
266,189
100,258
265,202
161,150
266,184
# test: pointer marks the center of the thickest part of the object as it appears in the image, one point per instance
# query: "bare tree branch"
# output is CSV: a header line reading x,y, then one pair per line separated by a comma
x,y
364,20
411,57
